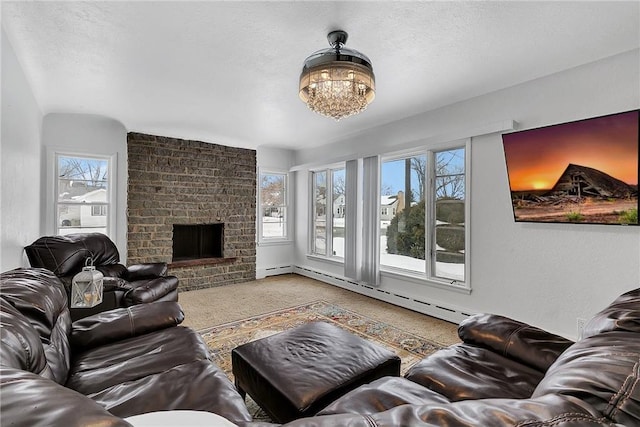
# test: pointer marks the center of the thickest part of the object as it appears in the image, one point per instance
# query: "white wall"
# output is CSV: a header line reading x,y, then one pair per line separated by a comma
x,y
20,166
86,134
275,258
545,274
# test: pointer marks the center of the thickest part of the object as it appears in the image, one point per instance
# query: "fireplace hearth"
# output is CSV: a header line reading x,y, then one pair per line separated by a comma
x,y
198,241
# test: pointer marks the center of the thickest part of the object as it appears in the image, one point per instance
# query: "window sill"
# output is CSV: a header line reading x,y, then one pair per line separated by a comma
x,y
331,260
423,280
275,242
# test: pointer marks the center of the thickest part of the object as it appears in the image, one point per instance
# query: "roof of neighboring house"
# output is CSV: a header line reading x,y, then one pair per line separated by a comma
x,y
388,200
91,195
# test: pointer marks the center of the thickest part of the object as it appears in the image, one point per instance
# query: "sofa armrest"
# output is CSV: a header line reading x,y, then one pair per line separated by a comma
x,y
27,399
146,271
513,339
550,410
122,323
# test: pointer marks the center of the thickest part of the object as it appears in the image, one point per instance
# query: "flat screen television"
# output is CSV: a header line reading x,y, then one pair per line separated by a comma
x,y
578,172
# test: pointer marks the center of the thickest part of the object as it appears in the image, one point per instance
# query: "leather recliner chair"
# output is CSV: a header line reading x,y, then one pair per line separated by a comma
x,y
123,286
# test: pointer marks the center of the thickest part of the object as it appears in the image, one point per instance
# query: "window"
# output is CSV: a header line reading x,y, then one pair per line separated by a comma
x,y
448,223
422,226
273,206
402,235
319,243
338,192
82,188
328,241
98,210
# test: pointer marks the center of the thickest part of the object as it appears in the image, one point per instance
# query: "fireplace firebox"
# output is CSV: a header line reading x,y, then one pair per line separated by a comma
x,y
198,241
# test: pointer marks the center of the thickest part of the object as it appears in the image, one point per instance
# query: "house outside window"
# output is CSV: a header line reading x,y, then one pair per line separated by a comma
x,y
319,213
273,193
83,199
98,210
338,191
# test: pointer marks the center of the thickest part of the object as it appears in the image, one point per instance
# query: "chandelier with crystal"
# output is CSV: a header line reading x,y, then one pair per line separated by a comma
x,y
337,82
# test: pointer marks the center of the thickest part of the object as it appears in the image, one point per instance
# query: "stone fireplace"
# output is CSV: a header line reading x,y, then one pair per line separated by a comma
x,y
207,192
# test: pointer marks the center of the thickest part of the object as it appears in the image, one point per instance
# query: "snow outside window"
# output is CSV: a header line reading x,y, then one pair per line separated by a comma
x,y
328,212
82,202
273,206
423,204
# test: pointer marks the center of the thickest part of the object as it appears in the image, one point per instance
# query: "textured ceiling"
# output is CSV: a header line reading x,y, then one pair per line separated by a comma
x,y
227,72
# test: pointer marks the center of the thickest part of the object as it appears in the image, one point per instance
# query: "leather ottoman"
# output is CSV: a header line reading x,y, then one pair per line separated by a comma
x,y
298,372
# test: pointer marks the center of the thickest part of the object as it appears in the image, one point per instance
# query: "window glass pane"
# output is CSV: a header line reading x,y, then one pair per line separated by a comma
x,y
74,218
82,180
320,213
449,235
402,219
273,222
339,206
273,199
81,202
272,189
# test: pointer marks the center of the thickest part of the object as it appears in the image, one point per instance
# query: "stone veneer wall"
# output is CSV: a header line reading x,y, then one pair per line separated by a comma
x,y
175,181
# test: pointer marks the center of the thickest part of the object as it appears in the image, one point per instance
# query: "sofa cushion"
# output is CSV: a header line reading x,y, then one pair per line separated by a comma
x,y
39,296
623,314
135,358
463,371
28,400
382,394
187,386
546,411
121,323
604,371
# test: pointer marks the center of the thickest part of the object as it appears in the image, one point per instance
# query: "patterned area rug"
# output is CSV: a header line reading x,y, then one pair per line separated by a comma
x,y
223,338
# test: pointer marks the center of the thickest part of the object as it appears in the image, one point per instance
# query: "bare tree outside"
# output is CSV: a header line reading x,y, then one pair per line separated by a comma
x,y
272,191
92,172
449,174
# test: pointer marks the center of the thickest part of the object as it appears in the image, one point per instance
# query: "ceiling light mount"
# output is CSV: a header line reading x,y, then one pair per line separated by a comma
x,y
337,82
337,39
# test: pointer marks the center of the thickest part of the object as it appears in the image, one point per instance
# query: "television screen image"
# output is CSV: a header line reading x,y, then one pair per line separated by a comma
x,y
579,172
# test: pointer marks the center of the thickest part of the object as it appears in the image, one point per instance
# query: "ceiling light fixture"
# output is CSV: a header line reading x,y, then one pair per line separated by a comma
x,y
337,82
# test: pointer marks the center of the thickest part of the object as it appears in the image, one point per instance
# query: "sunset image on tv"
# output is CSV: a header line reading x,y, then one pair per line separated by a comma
x,y
584,171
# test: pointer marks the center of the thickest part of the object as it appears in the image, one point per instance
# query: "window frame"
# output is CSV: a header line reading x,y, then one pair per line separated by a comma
x,y
265,241
428,276
329,171
53,203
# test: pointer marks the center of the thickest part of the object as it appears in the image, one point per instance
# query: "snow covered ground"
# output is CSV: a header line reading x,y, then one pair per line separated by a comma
x,y
273,227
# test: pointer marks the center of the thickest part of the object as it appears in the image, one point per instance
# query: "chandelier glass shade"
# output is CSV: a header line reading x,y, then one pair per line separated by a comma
x,y
337,82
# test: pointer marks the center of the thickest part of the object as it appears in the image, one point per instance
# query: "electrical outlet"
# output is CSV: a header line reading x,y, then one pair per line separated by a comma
x,y
580,322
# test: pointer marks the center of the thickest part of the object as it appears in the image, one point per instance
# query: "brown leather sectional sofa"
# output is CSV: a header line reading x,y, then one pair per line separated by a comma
x,y
507,373
104,367
135,360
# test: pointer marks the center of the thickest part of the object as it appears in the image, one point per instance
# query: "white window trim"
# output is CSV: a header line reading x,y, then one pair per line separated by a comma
x,y
274,241
427,277
311,254
51,227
